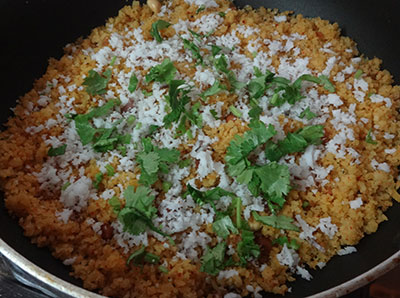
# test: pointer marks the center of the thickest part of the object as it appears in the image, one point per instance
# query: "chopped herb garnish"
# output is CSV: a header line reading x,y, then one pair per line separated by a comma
x,y
189,45
163,269
212,262
247,248
222,14
295,142
95,83
147,94
272,180
224,226
305,204
327,83
308,114
201,8
214,114
138,212
208,196
97,180
57,151
65,186
140,257
166,186
115,204
235,111
153,160
133,82
113,60
369,139
162,73
110,170
184,163
214,89
276,221
284,240
131,119
215,50
156,27
358,74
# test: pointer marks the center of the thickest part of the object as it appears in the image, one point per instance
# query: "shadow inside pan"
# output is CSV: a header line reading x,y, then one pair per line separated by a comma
x,y
34,31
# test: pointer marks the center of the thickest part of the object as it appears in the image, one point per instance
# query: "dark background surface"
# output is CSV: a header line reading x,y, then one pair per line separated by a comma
x,y
33,31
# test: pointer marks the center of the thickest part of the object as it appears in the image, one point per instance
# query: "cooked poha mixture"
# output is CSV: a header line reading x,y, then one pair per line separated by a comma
x,y
201,150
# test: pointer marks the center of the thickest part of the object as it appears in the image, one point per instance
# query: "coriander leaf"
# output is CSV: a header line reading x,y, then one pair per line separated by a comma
x,y
184,163
214,114
162,73
295,142
194,115
57,151
276,221
156,27
95,83
312,134
308,114
65,186
201,8
140,256
222,14
235,111
196,35
212,262
112,62
215,50
369,138
166,186
168,155
115,204
194,49
97,180
327,83
358,74
247,248
275,179
221,64
136,217
223,226
150,162
163,269
235,84
207,197
214,89
133,82
284,240
177,99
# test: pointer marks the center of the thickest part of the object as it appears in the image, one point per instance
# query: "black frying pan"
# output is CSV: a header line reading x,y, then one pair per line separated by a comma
x,y
34,30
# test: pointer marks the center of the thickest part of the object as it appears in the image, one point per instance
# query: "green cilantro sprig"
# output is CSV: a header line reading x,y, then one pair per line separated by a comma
x,y
57,151
153,160
95,83
140,257
277,221
162,73
282,240
102,139
271,180
307,114
369,138
137,214
156,27
295,142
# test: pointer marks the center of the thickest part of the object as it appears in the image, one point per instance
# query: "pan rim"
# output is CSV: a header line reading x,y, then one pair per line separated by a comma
x,y
75,291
